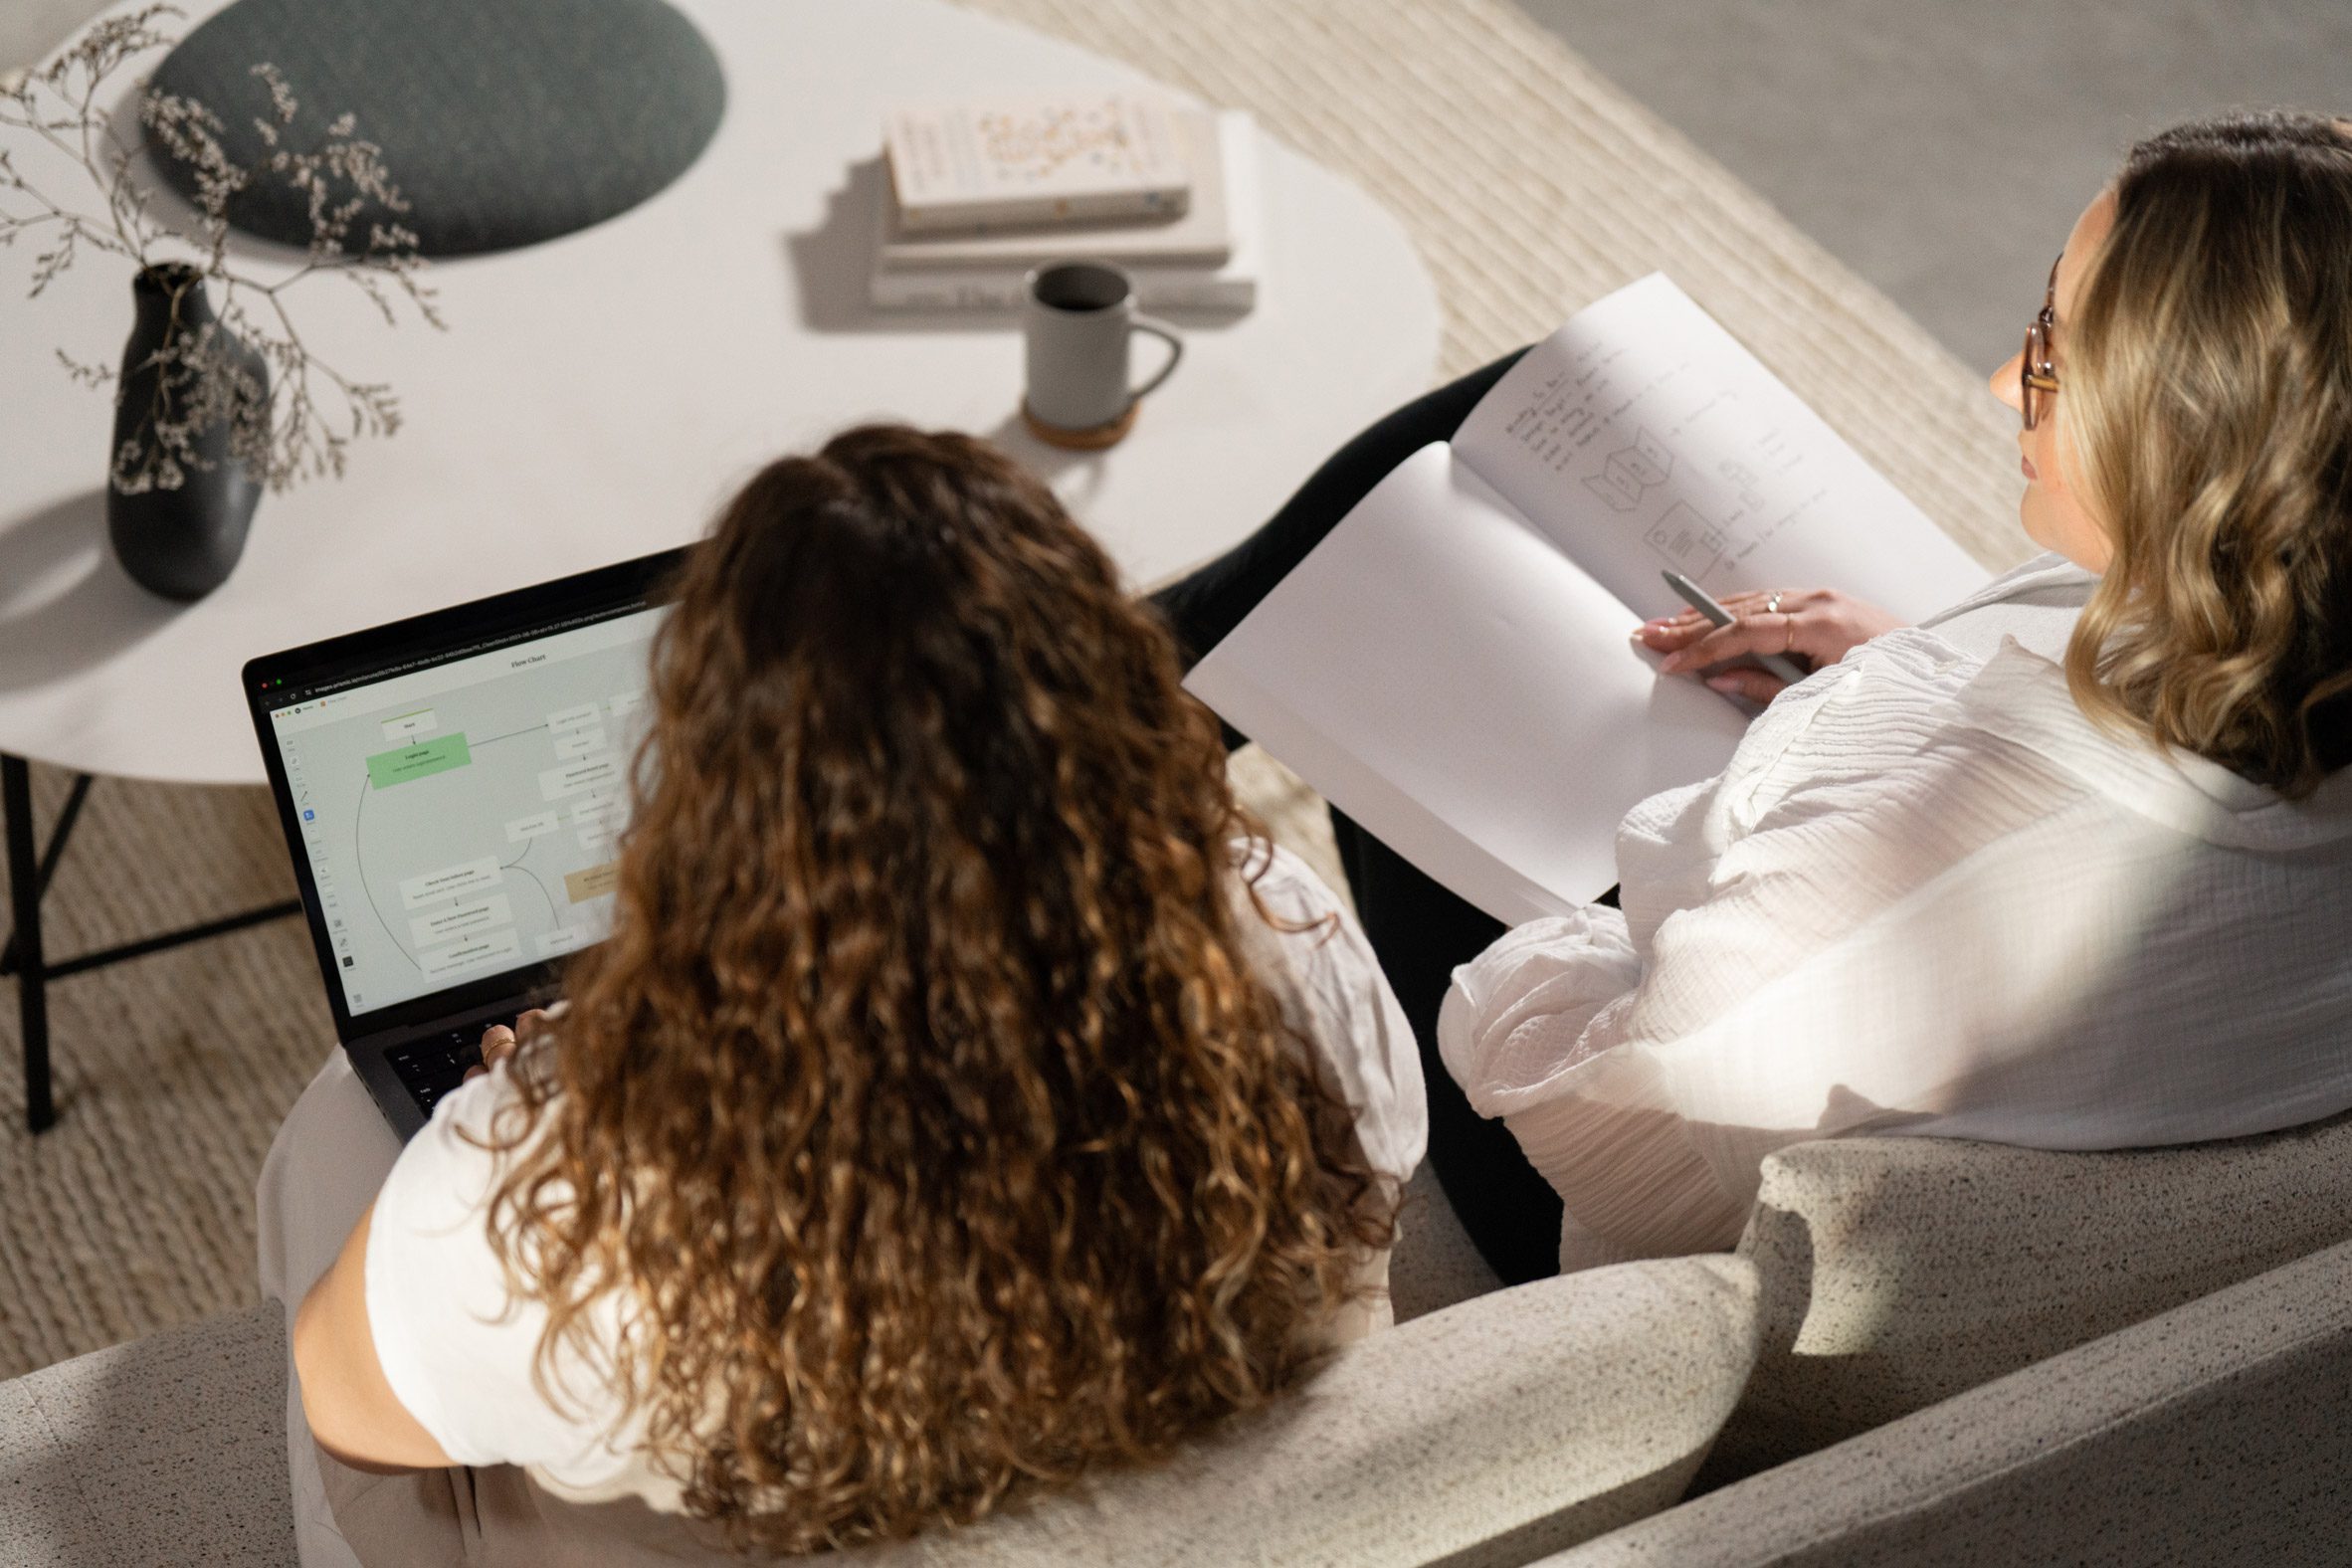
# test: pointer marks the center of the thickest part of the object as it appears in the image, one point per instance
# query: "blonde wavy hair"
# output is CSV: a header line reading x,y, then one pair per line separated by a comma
x,y
923,1110
2206,410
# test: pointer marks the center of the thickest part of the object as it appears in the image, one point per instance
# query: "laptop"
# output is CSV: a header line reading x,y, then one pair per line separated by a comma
x,y
452,788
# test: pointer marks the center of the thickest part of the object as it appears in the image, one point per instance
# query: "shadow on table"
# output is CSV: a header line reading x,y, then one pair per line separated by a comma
x,y
1075,476
47,636
832,263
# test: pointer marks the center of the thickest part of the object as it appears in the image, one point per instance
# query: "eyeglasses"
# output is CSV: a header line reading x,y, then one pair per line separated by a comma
x,y
2037,377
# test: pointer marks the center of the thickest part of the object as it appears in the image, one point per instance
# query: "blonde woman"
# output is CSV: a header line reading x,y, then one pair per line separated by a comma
x,y
2066,866
967,1100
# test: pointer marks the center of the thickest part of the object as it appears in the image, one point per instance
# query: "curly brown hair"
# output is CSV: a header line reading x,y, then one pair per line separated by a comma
x,y
2208,405
923,1103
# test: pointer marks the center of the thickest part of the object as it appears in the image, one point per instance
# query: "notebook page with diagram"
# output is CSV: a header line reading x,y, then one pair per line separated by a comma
x,y
1450,665
1642,435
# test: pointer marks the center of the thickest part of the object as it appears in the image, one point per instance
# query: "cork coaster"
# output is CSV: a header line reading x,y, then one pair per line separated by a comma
x,y
1093,439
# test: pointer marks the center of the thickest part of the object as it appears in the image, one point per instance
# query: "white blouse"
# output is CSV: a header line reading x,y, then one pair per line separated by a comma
x,y
458,1347
1925,898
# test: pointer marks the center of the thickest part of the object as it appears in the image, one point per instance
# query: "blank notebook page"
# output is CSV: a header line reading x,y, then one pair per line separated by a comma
x,y
1443,675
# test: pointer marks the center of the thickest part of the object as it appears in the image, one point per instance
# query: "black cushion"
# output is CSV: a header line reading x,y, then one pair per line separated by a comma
x,y
501,121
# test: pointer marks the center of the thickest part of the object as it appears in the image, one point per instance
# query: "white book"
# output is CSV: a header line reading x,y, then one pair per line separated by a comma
x,y
1450,665
1201,236
964,167
995,289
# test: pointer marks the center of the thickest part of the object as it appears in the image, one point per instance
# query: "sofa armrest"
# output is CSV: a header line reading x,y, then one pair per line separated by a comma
x,y
2213,1433
166,1449
1900,1272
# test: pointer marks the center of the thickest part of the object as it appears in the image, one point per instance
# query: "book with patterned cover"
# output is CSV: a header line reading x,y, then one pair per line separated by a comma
x,y
994,286
1203,236
1008,164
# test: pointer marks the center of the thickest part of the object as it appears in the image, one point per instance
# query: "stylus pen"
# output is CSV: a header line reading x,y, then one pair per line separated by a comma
x,y
1705,605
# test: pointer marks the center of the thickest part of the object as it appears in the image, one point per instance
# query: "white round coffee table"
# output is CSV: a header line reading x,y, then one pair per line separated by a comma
x,y
596,397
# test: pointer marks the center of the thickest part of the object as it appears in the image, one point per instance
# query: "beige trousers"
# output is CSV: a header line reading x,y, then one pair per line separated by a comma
x,y
323,1169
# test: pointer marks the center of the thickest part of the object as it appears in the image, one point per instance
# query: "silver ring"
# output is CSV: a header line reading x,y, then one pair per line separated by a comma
x,y
1772,605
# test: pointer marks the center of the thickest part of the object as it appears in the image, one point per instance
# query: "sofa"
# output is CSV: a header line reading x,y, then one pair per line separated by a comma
x,y
1924,1351
2210,1434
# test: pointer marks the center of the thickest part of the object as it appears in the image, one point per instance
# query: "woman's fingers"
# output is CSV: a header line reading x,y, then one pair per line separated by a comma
x,y
1667,633
1672,632
499,1041
1820,626
1757,685
498,1044
1747,635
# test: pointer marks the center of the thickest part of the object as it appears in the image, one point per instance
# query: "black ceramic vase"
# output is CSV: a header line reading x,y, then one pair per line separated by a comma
x,y
180,542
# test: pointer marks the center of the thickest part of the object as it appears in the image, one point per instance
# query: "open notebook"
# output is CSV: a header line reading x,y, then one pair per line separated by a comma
x,y
1449,666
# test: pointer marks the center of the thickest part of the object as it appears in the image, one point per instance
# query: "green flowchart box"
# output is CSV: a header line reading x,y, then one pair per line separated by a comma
x,y
425,757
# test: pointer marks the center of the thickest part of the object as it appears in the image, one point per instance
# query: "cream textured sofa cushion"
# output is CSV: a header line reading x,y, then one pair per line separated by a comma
x,y
1898,1272
1478,1436
1488,1432
1485,1434
167,1449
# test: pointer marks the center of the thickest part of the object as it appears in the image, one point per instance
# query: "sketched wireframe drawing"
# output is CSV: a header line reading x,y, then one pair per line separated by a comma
x,y
1632,472
1689,541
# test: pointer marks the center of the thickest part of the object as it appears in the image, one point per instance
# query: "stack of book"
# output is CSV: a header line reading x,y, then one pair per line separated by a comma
x,y
977,194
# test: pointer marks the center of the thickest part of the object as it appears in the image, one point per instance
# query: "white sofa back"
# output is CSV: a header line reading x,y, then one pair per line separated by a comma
x,y
2211,1434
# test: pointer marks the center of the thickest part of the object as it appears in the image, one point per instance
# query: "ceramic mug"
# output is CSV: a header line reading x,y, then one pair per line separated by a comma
x,y
1076,320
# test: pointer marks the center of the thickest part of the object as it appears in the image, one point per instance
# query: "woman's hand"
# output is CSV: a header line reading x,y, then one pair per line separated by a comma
x,y
499,1041
1816,624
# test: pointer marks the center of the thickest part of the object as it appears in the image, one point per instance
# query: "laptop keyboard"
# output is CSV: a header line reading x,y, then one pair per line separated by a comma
x,y
432,1067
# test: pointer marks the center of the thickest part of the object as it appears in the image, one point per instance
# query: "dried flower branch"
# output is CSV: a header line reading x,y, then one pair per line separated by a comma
x,y
301,424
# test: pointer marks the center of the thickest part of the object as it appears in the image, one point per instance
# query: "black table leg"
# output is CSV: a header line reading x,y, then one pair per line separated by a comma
x,y
24,944
23,955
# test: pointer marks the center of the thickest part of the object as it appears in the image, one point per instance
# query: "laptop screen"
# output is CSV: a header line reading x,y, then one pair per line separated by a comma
x,y
459,815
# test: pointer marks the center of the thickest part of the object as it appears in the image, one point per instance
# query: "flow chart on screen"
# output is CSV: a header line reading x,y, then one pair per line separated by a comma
x,y
470,830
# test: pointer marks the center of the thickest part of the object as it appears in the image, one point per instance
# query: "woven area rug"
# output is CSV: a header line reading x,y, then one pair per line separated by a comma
x,y
1530,185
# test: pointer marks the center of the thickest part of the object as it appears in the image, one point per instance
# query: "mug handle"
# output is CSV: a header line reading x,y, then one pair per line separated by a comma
x,y
1166,334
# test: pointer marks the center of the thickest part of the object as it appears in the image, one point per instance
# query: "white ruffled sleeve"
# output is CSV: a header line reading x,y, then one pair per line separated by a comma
x,y
1516,1014
1552,1028
1521,1016
1533,1031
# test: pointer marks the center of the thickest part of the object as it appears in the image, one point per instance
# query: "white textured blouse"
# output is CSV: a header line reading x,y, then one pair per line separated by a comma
x,y
1925,898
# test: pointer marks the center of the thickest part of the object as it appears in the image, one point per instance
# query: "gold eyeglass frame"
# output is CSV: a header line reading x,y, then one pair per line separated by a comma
x,y
2036,375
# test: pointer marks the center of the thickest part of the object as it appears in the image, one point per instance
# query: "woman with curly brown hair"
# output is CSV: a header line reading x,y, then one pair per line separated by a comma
x,y
967,1098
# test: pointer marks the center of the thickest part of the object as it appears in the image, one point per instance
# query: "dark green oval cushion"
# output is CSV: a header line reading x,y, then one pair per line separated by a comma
x,y
501,121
